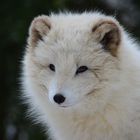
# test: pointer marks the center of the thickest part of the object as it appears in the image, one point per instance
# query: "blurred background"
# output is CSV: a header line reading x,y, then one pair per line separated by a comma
x,y
16,16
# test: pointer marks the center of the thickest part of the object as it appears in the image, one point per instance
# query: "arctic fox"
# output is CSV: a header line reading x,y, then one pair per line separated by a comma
x,y
81,77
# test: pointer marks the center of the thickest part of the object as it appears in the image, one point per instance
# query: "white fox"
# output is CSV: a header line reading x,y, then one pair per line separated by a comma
x,y
81,77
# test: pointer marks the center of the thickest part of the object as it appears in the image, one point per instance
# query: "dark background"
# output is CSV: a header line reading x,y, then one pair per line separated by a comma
x,y
16,16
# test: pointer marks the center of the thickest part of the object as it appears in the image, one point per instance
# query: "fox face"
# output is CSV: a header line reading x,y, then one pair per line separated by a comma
x,y
69,76
72,62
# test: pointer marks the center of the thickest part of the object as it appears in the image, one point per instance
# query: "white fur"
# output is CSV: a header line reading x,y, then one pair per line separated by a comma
x,y
112,109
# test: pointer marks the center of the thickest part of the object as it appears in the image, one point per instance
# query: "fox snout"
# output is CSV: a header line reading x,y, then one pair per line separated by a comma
x,y
59,98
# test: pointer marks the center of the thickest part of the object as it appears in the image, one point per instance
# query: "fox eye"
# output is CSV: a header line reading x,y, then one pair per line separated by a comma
x,y
81,69
52,67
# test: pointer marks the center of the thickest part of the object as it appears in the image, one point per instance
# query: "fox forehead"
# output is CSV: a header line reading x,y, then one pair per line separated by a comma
x,y
63,43
69,44
72,38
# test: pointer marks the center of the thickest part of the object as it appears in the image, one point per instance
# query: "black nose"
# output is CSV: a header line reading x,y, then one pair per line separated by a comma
x,y
58,98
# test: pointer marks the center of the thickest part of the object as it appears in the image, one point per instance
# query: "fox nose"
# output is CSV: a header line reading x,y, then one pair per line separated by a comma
x,y
59,98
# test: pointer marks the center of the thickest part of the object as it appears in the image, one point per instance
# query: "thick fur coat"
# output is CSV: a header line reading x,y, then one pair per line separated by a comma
x,y
94,65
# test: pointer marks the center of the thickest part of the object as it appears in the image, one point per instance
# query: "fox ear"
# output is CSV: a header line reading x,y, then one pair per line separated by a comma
x,y
40,26
109,35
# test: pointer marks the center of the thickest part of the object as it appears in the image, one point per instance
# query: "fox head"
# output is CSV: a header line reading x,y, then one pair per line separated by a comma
x,y
72,60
